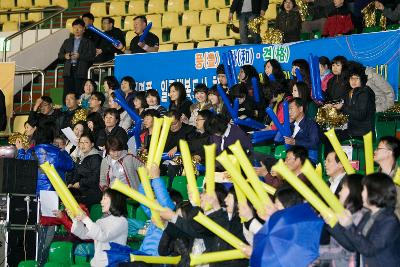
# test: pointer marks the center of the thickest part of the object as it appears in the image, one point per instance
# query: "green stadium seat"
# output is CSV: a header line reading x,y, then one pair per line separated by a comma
x,y
179,184
140,215
96,212
385,125
265,150
358,152
200,182
61,253
393,27
280,152
28,263
80,260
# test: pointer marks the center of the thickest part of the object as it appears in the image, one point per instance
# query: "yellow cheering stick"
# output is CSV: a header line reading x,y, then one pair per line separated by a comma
x,y
210,171
135,195
322,188
156,259
144,178
369,154
250,173
339,151
396,179
306,192
162,139
238,178
318,170
63,192
220,231
268,188
155,134
241,197
219,256
190,176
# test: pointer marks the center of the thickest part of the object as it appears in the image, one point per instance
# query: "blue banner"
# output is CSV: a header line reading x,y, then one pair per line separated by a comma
x,y
158,70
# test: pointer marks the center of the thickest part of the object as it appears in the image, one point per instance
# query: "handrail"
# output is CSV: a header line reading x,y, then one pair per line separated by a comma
x,y
32,72
36,26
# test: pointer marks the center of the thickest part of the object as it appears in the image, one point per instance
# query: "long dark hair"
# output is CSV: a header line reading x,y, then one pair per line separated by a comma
x,y
381,190
181,91
118,202
354,201
276,71
97,120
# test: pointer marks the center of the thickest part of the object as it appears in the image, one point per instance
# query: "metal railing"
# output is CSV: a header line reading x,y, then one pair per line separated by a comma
x,y
36,26
107,67
33,74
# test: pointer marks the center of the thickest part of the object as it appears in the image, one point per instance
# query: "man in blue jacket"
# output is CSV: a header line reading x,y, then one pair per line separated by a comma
x,y
304,130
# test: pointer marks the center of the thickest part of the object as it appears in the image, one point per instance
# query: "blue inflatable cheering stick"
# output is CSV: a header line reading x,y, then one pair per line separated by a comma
x,y
232,68
115,42
145,32
259,136
226,101
286,119
256,90
299,77
316,88
225,62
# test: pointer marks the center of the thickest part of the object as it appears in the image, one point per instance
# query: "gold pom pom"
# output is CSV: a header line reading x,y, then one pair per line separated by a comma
x,y
15,136
254,25
303,9
272,36
80,115
329,117
369,14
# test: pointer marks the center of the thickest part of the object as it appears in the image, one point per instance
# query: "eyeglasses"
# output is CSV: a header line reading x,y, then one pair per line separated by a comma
x,y
200,119
383,148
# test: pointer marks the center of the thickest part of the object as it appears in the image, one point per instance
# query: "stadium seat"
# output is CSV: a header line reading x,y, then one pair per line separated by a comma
x,y
155,19
18,17
24,3
197,5
98,9
190,18
97,23
208,17
129,36
176,6
198,33
28,263
178,34
223,15
156,7
61,3
42,3
185,46
117,22
61,253
200,183
117,9
141,215
206,44
3,18
218,31
217,4
275,2
96,212
170,20
136,7
128,23
159,33
35,16
18,123
166,47
233,34
226,42
68,24
179,184
271,13
7,4
10,26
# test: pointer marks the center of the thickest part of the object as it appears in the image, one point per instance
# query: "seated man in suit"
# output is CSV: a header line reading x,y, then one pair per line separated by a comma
x,y
305,131
335,171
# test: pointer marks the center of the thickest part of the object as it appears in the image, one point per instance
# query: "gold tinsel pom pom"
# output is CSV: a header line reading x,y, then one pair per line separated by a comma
x,y
15,136
393,109
80,115
303,9
255,24
369,13
272,36
329,117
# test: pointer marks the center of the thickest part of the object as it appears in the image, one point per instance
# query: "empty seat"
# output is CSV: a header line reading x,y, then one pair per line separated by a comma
x,y
271,13
117,9
98,9
155,19
279,2
197,5
178,34
159,33
128,23
156,7
129,36
198,33
136,7
224,15
208,17
97,23
185,46
226,42
61,3
176,6
3,18
34,16
10,26
170,20
166,47
42,3
7,4
117,22
217,4
18,123
233,34
206,44
191,18
18,17
24,3
218,31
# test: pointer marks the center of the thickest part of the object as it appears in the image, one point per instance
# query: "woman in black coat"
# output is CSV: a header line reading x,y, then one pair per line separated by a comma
x,y
289,21
85,176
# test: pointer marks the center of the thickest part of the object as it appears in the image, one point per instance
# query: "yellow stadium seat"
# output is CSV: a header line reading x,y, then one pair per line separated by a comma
x,y
61,3
42,3
117,21
136,7
276,2
128,23
155,19
10,26
206,44
7,4
224,15
170,20
3,18
185,46
197,5
226,42
159,33
217,4
129,36
117,9
98,9
156,7
18,17
270,14
19,123
176,6
218,31
178,34
190,18
68,24
166,47
24,3
34,16
97,23
198,33
234,34
208,17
